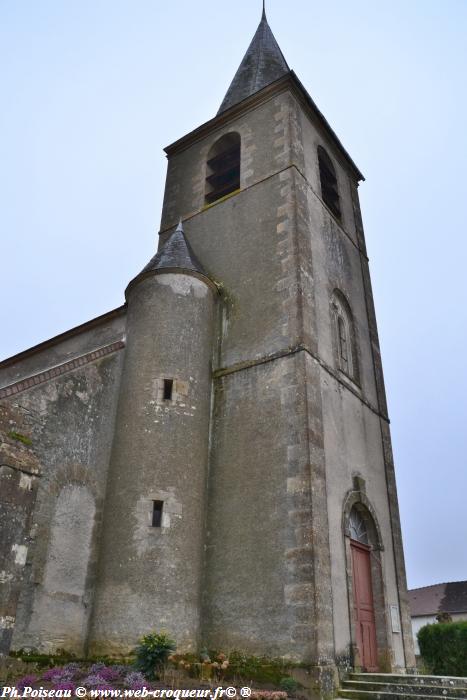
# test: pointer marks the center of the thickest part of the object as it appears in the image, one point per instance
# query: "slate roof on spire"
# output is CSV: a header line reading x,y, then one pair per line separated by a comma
x,y
175,253
262,64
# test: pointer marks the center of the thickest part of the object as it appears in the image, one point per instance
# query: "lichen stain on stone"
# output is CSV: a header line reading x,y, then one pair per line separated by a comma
x,y
21,553
83,396
7,622
297,484
25,482
5,577
42,399
183,285
82,384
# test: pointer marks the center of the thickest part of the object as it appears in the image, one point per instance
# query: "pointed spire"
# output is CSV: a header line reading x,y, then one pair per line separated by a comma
x,y
262,64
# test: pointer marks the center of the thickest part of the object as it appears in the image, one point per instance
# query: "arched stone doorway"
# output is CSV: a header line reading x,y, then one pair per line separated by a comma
x,y
370,642
362,587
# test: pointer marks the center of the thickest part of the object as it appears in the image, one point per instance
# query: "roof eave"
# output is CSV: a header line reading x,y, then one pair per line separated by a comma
x,y
324,122
55,340
287,81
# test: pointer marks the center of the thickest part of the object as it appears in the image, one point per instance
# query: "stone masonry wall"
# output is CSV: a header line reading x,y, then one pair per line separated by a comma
x,y
69,393
19,475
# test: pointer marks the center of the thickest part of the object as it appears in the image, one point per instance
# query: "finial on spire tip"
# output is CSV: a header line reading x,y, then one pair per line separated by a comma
x,y
264,9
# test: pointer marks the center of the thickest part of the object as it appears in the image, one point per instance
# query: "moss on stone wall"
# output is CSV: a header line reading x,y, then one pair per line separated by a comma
x,y
20,437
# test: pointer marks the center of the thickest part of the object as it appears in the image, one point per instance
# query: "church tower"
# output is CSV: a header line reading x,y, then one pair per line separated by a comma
x,y
218,450
303,548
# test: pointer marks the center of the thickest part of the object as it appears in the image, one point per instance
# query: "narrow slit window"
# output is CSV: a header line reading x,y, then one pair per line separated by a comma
x,y
223,168
328,178
157,507
343,343
168,389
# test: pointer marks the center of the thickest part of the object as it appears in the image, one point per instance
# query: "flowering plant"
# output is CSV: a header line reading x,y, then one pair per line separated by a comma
x,y
26,682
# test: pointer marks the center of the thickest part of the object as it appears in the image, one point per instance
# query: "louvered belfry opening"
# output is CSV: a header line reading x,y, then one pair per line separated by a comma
x,y
223,168
328,178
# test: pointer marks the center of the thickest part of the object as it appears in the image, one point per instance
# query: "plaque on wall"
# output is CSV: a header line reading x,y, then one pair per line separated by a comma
x,y
395,619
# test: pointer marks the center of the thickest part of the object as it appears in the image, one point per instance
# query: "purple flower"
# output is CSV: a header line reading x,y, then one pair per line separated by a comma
x,y
51,672
62,676
134,680
109,673
69,685
72,668
121,669
94,680
26,681
96,668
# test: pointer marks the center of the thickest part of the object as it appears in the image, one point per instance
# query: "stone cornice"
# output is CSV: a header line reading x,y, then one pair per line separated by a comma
x,y
46,375
286,352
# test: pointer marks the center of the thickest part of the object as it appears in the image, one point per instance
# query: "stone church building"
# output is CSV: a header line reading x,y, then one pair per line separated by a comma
x,y
214,457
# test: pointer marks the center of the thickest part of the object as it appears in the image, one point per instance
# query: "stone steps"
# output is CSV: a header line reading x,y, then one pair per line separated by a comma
x,y
388,686
397,695
444,681
408,689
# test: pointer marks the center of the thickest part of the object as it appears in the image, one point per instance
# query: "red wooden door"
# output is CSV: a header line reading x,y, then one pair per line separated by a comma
x,y
364,609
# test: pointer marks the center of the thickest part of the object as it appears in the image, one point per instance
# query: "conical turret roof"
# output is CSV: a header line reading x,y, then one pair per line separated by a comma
x,y
175,254
262,64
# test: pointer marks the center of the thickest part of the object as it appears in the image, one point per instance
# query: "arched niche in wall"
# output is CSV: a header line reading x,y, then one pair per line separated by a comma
x,y
70,541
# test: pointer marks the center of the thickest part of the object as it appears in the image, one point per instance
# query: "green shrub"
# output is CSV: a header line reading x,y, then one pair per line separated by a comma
x,y
443,647
289,684
152,653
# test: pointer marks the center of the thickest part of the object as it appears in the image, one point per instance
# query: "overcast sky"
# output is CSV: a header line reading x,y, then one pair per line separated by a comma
x,y
92,90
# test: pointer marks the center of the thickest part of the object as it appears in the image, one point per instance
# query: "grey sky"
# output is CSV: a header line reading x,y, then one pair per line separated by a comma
x,y
91,91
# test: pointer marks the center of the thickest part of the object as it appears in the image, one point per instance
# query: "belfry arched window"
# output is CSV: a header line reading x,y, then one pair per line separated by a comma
x,y
328,179
223,168
344,335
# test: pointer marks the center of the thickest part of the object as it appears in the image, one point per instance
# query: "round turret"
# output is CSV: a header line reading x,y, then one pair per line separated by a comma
x,y
152,546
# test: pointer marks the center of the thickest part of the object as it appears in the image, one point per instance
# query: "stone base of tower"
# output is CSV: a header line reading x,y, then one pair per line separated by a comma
x,y
320,682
